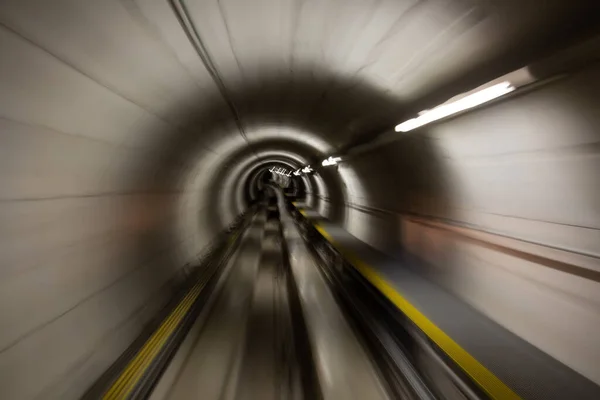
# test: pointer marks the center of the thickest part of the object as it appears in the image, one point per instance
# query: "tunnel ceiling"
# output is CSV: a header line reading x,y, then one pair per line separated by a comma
x,y
173,96
199,73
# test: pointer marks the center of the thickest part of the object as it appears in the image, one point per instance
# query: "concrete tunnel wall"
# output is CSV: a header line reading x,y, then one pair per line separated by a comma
x,y
521,174
119,163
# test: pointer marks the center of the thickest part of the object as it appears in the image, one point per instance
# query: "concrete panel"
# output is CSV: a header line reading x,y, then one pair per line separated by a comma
x,y
36,162
89,37
72,103
62,257
53,352
553,310
525,167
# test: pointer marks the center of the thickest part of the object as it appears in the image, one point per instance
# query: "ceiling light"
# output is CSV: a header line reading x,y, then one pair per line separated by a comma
x,y
331,161
444,110
280,171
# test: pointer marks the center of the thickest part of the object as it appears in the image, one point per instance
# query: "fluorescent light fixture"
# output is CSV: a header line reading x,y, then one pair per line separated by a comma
x,y
280,171
444,110
285,172
331,161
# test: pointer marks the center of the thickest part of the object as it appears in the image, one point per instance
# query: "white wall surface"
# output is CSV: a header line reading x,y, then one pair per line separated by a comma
x,y
525,168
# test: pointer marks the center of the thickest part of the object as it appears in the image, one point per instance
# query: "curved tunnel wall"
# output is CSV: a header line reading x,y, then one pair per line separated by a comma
x,y
114,154
525,169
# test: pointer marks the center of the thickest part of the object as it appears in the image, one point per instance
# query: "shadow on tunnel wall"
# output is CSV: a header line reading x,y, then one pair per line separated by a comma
x,y
405,176
320,103
346,111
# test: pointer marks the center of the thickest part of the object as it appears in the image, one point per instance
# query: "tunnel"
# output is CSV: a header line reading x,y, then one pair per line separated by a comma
x,y
140,138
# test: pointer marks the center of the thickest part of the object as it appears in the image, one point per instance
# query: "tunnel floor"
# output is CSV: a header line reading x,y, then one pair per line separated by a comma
x,y
246,346
271,329
301,309
240,349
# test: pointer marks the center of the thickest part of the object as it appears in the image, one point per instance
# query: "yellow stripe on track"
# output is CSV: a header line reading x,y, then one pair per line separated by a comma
x,y
491,384
136,368
126,382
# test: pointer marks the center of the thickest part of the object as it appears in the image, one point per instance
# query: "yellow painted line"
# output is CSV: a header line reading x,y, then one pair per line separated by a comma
x,y
491,384
135,369
301,211
123,386
150,356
